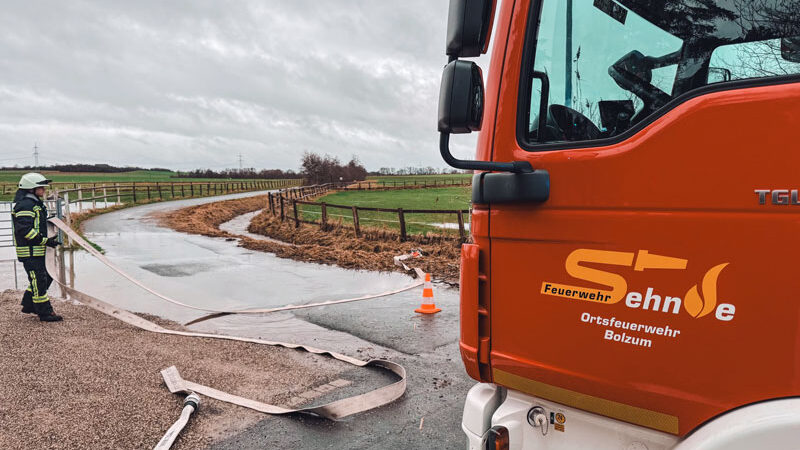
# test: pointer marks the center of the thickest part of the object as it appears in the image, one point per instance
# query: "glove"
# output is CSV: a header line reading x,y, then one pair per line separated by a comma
x,y
52,242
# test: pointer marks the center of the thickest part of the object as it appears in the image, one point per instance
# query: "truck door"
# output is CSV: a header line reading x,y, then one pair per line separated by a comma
x,y
657,284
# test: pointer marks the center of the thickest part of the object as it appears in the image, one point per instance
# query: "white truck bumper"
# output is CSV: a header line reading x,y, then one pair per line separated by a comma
x,y
565,428
773,424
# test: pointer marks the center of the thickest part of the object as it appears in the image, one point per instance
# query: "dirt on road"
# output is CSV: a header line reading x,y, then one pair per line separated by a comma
x,y
339,246
205,219
92,381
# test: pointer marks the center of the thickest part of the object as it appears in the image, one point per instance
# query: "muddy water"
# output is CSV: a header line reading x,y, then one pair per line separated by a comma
x,y
205,272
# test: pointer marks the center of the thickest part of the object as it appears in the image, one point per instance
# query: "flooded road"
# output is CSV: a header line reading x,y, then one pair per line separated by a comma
x,y
205,272
216,273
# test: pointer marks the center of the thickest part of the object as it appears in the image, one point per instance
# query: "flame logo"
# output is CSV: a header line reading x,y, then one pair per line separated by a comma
x,y
694,303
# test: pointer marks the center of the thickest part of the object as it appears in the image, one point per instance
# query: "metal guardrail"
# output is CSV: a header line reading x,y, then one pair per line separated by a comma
x,y
7,253
7,240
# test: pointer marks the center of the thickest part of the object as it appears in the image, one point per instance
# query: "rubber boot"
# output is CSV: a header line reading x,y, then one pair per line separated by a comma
x,y
52,317
27,303
46,313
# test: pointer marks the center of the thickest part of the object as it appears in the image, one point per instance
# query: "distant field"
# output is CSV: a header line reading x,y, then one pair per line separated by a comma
x,y
463,177
12,176
9,179
454,198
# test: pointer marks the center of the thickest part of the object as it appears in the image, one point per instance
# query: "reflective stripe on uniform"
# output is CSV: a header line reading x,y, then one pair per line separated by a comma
x,y
34,284
31,234
36,209
24,214
23,252
37,298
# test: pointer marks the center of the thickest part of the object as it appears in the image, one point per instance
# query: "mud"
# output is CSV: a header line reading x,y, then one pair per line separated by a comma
x,y
93,382
338,246
205,219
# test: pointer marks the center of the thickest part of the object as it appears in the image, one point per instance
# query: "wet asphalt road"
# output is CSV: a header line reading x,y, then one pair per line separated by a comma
x,y
214,272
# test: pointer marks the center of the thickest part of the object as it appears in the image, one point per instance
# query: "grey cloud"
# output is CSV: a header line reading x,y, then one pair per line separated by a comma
x,y
191,84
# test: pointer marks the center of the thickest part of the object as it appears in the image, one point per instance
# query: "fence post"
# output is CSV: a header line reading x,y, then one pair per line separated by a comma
x,y
158,186
67,214
461,232
183,194
355,222
80,199
402,217
119,198
105,197
191,189
271,204
296,219
324,222
133,190
94,196
283,212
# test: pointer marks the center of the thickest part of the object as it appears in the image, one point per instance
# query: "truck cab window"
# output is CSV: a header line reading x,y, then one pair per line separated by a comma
x,y
611,64
750,60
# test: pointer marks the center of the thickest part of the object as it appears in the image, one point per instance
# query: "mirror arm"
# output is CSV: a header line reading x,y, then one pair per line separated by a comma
x,y
489,166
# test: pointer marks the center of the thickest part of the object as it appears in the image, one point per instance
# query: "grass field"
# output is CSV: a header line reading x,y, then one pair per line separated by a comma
x,y
9,179
433,198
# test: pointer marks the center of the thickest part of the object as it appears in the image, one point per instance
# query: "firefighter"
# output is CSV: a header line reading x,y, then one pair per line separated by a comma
x,y
29,222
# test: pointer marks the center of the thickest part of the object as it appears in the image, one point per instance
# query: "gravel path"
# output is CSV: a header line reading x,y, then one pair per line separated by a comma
x,y
93,382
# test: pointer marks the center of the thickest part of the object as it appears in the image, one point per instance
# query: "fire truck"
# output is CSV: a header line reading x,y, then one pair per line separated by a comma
x,y
632,280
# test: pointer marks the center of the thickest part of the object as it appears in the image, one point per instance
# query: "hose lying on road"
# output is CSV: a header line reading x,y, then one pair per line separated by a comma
x,y
190,404
333,410
218,313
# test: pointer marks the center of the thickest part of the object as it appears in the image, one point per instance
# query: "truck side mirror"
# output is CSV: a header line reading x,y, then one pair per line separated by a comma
x,y
461,98
719,75
468,27
790,49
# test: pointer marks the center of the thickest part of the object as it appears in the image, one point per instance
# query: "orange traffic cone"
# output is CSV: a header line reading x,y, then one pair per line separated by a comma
x,y
428,306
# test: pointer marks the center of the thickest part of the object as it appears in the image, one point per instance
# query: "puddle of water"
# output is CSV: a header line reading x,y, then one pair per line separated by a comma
x,y
176,270
449,226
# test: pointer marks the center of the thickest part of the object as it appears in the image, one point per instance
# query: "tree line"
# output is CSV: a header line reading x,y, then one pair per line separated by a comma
x,y
248,173
417,171
91,168
318,169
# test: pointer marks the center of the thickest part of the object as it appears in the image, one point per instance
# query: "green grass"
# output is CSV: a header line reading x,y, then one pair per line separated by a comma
x,y
453,198
9,179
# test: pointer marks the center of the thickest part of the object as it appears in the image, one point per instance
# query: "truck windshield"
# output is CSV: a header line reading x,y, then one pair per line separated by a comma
x,y
611,64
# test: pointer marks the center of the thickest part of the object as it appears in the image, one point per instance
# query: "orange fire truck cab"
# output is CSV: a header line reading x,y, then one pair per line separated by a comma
x,y
632,281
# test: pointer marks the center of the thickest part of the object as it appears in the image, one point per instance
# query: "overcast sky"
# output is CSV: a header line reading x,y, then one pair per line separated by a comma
x,y
190,84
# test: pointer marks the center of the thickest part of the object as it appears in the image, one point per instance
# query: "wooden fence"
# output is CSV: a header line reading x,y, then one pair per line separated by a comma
x,y
424,183
281,202
171,186
77,199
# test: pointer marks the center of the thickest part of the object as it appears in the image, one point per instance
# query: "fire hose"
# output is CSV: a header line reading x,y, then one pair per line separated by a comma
x,y
190,404
334,410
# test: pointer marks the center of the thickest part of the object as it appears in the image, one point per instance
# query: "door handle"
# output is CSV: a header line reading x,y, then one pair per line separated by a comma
x,y
530,187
